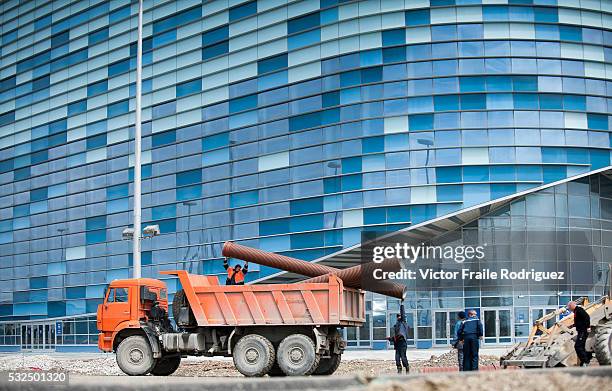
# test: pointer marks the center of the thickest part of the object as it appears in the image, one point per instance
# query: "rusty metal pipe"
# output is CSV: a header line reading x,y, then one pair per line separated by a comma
x,y
351,277
277,261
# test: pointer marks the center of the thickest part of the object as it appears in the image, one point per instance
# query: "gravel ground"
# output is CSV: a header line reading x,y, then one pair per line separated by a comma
x,y
196,366
499,381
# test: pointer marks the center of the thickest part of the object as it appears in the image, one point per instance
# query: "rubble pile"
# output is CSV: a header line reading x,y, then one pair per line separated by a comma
x,y
449,359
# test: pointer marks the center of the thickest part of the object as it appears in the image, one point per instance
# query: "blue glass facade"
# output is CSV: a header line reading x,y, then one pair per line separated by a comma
x,y
287,126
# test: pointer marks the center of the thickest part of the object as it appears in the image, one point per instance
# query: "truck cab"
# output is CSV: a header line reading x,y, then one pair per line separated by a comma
x,y
127,305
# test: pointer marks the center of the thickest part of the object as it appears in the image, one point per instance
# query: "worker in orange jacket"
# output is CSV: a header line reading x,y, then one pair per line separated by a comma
x,y
235,275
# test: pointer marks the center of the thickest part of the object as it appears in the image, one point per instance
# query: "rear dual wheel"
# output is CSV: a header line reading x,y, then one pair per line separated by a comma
x,y
296,355
253,355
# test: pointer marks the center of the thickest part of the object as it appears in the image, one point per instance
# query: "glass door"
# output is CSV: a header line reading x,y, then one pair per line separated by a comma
x,y
26,337
35,337
444,327
50,336
497,325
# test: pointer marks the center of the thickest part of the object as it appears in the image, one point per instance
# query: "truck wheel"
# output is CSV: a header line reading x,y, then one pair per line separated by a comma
x,y
603,343
253,355
166,366
297,355
134,356
327,366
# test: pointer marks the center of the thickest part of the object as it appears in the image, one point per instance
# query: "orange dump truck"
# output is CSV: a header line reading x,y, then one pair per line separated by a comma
x,y
274,329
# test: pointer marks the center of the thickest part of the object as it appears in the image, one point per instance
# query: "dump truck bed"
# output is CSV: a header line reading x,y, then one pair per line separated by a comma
x,y
272,304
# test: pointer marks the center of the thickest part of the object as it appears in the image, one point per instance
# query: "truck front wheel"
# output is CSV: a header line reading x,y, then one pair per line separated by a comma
x,y
166,366
134,356
253,355
297,355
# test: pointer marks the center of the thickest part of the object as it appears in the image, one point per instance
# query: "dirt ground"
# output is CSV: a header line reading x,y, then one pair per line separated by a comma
x,y
201,367
503,380
508,380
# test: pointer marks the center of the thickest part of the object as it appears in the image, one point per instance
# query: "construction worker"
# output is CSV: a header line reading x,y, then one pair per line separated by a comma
x,y
400,341
469,333
582,323
455,341
235,275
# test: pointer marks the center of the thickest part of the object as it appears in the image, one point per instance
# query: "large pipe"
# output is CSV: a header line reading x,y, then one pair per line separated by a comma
x,y
249,254
351,277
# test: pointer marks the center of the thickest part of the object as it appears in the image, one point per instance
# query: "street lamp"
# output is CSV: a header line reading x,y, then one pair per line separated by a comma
x,y
148,232
137,151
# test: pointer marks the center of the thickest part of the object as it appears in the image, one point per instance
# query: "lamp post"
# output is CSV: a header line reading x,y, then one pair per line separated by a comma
x,y
137,151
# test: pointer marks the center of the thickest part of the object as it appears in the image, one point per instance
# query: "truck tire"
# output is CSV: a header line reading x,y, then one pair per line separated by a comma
x,y
603,343
134,356
180,300
327,366
253,355
297,356
166,366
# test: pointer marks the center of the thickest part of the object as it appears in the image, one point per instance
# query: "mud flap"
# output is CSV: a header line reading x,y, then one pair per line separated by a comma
x,y
152,337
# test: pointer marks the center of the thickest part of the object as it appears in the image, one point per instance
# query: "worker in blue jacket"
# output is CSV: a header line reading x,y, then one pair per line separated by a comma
x,y
455,341
400,341
470,332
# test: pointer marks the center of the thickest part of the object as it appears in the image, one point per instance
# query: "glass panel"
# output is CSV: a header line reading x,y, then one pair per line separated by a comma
x,y
51,340
441,323
364,331
536,314
550,323
351,333
504,323
23,337
489,323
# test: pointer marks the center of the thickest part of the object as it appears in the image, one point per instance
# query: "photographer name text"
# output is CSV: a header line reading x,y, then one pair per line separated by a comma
x,y
467,274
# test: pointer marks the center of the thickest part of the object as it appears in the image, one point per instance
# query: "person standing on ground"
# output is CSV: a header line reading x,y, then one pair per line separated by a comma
x,y
470,332
235,275
400,341
582,322
455,341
